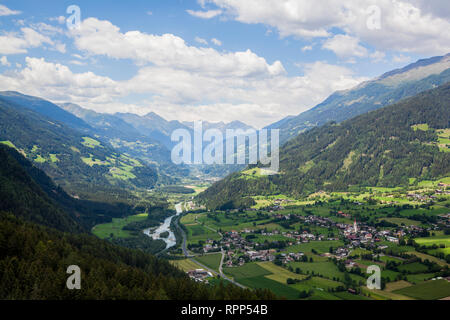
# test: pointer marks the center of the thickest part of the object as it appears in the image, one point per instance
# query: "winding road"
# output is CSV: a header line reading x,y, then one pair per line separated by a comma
x,y
191,257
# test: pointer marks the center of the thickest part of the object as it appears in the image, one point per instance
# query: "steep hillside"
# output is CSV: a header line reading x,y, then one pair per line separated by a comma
x,y
386,147
21,194
32,195
125,138
34,261
153,126
45,108
39,240
388,89
78,162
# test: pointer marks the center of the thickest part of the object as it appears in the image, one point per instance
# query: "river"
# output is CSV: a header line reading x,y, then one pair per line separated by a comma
x,y
165,227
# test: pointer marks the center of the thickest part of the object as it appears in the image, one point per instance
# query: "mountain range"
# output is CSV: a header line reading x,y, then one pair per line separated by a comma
x,y
385,90
39,239
83,150
394,146
77,161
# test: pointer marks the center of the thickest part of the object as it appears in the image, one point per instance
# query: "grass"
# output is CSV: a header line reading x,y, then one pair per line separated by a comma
x,y
325,268
318,284
279,274
104,231
9,144
189,219
274,238
348,296
397,285
418,278
384,295
39,159
430,290
445,240
401,221
198,233
121,174
185,264
254,173
421,127
414,267
424,256
90,143
53,158
74,149
94,162
444,140
248,270
388,258
261,282
210,260
319,246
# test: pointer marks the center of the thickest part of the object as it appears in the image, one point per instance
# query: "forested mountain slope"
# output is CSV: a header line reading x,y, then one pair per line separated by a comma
x,y
388,89
386,147
34,261
23,195
78,162
32,195
39,241
124,137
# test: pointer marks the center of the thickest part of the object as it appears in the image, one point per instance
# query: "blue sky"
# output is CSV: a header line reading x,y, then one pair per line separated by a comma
x,y
254,61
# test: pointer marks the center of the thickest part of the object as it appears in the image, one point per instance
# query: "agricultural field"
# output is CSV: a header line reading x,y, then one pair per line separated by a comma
x,y
90,143
185,264
279,274
430,241
430,290
197,233
212,261
114,228
301,238
249,270
279,289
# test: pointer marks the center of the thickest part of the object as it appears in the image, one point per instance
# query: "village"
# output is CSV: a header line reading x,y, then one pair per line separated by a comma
x,y
240,249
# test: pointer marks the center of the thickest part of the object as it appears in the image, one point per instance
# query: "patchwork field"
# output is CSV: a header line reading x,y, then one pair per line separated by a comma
x,y
430,290
210,260
279,274
198,233
185,264
104,231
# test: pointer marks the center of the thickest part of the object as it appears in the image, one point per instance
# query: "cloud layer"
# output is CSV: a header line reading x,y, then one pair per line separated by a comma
x,y
408,26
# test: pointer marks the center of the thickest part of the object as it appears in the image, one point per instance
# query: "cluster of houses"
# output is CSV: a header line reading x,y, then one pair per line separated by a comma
x,y
358,235
199,275
421,197
262,255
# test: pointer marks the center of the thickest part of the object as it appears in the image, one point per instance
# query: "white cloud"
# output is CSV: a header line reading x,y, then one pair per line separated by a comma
x,y
5,11
4,61
103,38
77,62
307,48
345,47
205,14
378,56
216,42
410,26
60,19
14,44
176,94
201,41
401,59
57,82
